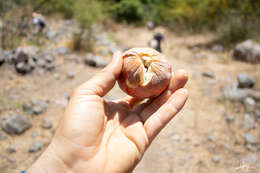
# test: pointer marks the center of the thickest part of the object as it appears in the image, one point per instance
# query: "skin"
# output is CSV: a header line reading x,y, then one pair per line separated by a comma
x,y
100,136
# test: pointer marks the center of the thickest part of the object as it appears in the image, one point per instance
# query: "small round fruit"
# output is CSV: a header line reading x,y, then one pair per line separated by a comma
x,y
145,73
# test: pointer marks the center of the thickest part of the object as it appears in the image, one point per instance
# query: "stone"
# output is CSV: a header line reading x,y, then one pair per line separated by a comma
x,y
247,51
35,107
29,50
245,81
51,34
62,50
36,146
150,25
231,92
41,63
230,118
251,139
56,75
2,136
2,59
49,66
208,74
200,56
16,124
249,122
251,158
95,61
216,159
217,48
71,75
34,134
46,123
11,159
104,52
48,58
250,104
10,150
212,138
23,68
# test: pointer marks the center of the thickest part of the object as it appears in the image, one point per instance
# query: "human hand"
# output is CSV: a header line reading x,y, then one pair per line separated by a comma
x,y
97,136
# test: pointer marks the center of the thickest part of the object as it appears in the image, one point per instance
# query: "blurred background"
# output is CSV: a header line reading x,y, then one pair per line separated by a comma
x,y
48,47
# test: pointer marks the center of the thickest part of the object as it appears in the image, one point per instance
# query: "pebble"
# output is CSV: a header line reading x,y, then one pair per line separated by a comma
x,y
11,159
231,92
34,134
46,123
208,74
200,56
95,61
62,50
251,139
71,75
250,104
245,81
37,146
249,122
56,75
250,158
10,150
218,48
216,159
2,59
2,136
230,118
150,25
16,124
35,107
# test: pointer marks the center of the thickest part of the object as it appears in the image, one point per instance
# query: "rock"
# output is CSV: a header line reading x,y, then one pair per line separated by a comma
x,y
29,50
2,59
104,52
251,147
56,75
2,136
200,56
35,107
71,75
251,139
208,74
212,138
249,122
48,58
11,159
230,118
250,104
231,92
10,150
248,51
34,134
62,50
51,34
245,81
41,63
218,48
37,146
23,68
250,159
49,66
95,61
16,124
216,159
150,25
46,123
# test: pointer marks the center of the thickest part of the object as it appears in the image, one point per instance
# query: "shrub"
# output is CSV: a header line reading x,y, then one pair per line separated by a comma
x,y
130,11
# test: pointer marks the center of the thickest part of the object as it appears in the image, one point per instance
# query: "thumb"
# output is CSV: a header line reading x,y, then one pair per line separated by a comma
x,y
105,80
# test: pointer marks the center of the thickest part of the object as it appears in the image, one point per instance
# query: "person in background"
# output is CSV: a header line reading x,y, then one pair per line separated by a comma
x,y
39,22
155,43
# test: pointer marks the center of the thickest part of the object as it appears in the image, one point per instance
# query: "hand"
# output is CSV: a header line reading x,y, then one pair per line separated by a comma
x,y
99,136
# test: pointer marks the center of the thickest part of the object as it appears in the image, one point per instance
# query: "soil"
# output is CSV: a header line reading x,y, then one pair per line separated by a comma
x,y
198,140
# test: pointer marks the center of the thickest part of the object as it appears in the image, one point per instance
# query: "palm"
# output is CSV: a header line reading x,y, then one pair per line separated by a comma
x,y
110,136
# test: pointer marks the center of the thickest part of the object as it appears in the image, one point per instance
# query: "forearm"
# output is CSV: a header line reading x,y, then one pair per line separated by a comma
x,y
48,162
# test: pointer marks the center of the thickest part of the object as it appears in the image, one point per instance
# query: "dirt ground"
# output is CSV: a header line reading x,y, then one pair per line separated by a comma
x,y
198,140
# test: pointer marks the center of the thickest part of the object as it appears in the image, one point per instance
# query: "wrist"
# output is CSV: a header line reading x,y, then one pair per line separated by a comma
x,y
48,162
